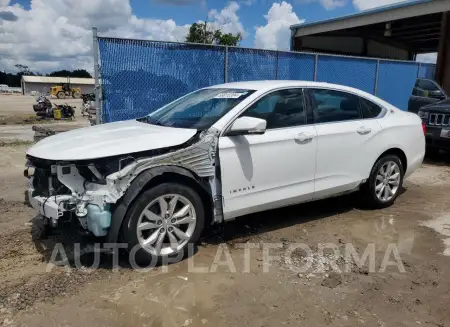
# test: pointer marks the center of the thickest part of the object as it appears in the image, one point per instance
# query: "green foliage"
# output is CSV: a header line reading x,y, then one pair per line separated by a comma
x,y
66,73
13,80
202,33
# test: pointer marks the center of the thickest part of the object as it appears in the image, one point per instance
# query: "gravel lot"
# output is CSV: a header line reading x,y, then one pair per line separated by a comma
x,y
17,117
417,225
244,288
23,104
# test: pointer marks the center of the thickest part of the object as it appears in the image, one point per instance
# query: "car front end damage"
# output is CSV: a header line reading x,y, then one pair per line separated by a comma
x,y
89,191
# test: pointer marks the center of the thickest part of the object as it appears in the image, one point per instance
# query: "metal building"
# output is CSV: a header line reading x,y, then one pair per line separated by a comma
x,y
42,84
393,32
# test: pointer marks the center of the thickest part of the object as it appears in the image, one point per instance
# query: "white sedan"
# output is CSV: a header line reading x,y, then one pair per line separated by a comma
x,y
219,153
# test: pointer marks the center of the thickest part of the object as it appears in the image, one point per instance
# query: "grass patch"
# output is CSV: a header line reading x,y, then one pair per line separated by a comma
x,y
16,143
20,120
28,120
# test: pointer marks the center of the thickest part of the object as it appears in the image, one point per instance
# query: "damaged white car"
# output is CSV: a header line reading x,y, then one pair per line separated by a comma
x,y
219,153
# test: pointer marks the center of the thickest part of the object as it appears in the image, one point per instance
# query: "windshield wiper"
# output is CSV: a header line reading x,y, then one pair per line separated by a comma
x,y
151,121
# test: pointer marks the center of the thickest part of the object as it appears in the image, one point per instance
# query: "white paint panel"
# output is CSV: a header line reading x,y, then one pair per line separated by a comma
x,y
109,140
261,172
345,157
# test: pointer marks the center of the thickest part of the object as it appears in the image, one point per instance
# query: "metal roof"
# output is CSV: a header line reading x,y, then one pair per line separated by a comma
x,y
378,15
58,80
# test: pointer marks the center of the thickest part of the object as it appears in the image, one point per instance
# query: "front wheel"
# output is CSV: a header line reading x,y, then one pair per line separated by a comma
x,y
385,182
61,95
162,222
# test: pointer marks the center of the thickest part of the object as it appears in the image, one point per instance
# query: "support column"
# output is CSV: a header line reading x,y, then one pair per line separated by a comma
x,y
443,60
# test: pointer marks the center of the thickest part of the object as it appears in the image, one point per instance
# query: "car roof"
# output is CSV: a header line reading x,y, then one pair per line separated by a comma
x,y
274,84
266,86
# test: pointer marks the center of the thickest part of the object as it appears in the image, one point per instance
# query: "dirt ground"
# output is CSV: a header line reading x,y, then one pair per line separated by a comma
x,y
17,118
414,290
17,105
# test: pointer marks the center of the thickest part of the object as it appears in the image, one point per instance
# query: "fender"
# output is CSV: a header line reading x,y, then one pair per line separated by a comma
x,y
137,185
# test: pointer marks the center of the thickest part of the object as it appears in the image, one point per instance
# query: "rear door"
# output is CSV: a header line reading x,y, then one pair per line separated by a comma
x,y
344,141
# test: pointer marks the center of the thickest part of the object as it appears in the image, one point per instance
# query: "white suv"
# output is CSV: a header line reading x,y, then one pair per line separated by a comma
x,y
219,153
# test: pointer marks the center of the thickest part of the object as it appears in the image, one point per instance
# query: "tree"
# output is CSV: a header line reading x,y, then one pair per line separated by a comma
x,y
81,73
60,73
205,33
67,73
9,79
228,38
23,70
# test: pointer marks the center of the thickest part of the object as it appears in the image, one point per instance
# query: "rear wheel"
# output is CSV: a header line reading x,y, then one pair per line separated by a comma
x,y
162,222
385,182
61,95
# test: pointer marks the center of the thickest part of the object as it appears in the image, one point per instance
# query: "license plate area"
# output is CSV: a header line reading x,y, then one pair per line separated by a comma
x,y
445,133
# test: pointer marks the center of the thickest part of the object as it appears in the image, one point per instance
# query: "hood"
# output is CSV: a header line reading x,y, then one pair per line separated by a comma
x,y
441,106
109,140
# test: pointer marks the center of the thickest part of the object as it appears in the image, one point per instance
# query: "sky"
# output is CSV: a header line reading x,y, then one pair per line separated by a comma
x,y
48,35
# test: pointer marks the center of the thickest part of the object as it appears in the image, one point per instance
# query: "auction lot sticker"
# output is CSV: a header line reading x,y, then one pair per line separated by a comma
x,y
229,95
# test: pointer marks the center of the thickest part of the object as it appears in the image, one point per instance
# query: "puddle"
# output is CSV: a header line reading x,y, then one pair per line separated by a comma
x,y
384,231
430,175
174,298
442,226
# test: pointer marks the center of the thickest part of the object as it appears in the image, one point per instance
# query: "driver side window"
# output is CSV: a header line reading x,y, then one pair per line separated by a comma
x,y
424,87
281,109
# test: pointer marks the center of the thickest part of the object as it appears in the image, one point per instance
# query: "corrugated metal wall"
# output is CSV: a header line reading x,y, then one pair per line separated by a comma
x,y
44,88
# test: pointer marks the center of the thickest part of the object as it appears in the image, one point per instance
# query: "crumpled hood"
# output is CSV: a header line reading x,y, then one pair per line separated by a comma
x,y
108,140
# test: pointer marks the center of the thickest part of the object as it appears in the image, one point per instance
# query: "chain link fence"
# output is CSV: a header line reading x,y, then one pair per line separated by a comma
x,y
138,77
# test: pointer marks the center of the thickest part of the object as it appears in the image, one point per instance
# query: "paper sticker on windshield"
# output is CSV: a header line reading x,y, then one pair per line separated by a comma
x,y
230,95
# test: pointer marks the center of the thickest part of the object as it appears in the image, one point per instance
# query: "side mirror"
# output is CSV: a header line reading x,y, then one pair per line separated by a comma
x,y
247,126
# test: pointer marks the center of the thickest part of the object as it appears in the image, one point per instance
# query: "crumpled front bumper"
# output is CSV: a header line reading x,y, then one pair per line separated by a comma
x,y
52,207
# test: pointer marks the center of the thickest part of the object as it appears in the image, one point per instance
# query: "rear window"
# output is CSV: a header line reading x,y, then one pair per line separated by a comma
x,y
370,109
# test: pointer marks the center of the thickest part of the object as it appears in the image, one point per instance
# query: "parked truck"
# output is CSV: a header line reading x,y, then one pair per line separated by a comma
x,y
432,104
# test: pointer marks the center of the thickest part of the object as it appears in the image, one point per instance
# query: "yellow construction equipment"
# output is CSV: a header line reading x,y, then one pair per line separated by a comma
x,y
65,90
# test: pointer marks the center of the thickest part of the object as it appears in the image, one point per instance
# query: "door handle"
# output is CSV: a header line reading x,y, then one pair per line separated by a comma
x,y
363,130
303,137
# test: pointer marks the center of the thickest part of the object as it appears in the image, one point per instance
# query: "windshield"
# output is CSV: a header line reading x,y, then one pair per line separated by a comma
x,y
199,110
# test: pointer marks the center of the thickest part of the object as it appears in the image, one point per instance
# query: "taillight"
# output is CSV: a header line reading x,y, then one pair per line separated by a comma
x,y
424,127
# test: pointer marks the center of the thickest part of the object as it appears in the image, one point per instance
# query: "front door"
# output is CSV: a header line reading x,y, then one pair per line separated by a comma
x,y
261,172
345,140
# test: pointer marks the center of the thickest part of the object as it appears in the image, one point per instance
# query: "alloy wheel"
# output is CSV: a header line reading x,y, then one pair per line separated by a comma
x,y
388,181
166,225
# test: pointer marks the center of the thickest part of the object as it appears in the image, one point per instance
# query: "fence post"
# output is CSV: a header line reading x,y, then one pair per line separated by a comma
x,y
276,66
377,71
98,111
316,62
418,69
226,65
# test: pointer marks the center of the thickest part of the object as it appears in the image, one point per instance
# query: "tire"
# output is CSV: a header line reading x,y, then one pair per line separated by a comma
x,y
76,95
134,217
39,229
371,189
61,95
